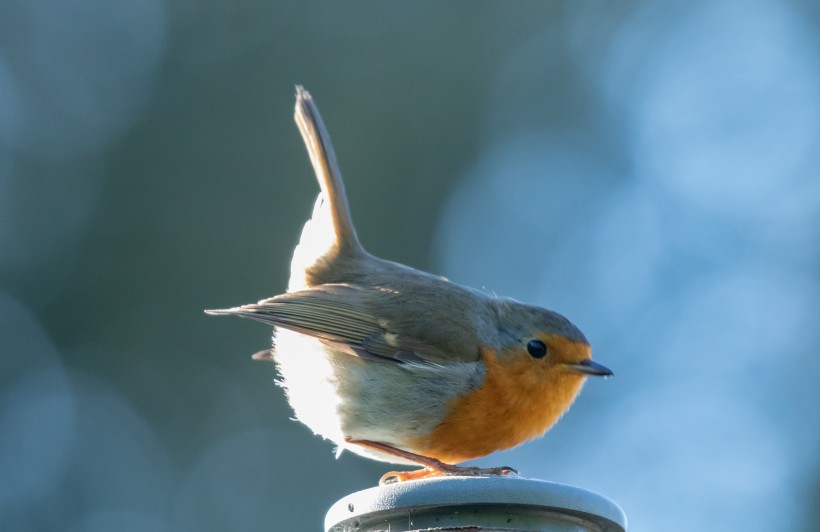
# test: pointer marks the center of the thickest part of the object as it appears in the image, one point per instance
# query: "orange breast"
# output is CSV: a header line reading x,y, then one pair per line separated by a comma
x,y
514,404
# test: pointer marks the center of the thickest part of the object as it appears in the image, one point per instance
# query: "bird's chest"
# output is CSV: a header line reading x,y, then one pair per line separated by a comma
x,y
513,405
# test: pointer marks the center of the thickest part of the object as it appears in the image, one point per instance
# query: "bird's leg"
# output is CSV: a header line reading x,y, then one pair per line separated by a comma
x,y
432,467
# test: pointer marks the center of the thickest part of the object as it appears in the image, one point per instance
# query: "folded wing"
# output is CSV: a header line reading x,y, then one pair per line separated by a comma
x,y
342,316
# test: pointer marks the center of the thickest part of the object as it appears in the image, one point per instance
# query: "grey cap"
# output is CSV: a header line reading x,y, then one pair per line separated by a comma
x,y
479,503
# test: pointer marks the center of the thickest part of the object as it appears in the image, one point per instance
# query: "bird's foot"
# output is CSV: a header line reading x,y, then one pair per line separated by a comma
x,y
445,470
432,467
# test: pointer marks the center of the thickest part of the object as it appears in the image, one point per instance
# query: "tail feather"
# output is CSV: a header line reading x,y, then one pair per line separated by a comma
x,y
320,149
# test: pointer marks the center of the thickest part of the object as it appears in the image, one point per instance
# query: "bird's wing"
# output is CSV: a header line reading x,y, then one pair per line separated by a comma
x,y
342,316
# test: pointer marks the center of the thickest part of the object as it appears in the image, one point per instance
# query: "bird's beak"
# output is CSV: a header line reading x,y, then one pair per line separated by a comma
x,y
589,367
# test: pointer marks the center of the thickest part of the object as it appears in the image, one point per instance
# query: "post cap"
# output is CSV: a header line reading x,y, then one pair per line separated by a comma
x,y
483,503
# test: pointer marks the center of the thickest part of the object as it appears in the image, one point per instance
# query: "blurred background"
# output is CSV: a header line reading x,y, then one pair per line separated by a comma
x,y
649,170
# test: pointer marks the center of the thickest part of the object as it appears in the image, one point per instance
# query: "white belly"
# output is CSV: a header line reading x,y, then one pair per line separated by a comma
x,y
340,396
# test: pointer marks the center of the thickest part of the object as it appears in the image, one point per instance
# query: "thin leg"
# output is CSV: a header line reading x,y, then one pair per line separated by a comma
x,y
432,467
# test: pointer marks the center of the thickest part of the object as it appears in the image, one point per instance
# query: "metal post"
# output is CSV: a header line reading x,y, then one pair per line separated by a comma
x,y
475,503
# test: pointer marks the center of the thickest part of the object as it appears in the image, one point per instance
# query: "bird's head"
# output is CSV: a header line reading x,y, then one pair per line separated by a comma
x,y
544,341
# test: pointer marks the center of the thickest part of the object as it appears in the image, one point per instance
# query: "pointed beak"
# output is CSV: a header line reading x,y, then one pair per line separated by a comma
x,y
589,367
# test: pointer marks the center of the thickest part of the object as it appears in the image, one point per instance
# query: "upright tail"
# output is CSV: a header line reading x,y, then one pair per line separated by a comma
x,y
320,149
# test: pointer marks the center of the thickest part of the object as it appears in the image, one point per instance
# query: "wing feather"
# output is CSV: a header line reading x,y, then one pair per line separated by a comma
x,y
341,315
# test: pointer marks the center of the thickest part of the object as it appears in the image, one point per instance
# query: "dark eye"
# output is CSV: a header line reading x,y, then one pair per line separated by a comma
x,y
537,349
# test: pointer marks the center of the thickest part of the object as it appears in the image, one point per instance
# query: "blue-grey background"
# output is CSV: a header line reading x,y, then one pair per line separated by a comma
x,y
648,169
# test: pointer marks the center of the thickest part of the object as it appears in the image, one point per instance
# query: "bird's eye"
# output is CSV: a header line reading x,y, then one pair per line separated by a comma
x,y
537,349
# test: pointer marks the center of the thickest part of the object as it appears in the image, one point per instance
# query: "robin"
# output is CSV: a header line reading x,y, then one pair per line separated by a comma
x,y
404,366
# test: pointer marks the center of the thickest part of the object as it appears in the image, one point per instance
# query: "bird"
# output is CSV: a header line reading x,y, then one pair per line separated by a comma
x,y
403,366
